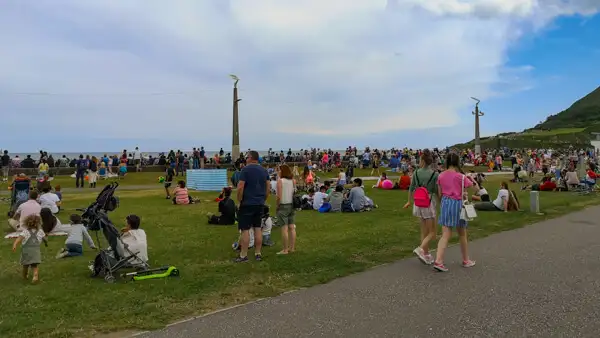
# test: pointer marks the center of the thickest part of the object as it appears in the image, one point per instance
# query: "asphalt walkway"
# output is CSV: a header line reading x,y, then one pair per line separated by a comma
x,y
539,281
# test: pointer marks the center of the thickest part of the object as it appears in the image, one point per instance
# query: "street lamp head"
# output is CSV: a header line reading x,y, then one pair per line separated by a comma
x,y
476,99
234,77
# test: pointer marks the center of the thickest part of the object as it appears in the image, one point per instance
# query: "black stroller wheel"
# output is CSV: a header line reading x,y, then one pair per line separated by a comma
x,y
174,273
109,279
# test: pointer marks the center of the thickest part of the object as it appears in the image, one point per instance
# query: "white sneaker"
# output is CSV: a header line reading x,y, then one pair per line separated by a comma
x,y
420,254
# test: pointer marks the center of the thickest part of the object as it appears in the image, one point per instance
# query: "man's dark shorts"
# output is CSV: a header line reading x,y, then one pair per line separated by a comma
x,y
250,216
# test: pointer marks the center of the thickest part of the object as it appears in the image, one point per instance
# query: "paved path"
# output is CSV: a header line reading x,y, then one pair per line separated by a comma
x,y
539,281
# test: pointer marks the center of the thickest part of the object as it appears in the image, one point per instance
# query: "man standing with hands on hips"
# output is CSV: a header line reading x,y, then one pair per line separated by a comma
x,y
252,193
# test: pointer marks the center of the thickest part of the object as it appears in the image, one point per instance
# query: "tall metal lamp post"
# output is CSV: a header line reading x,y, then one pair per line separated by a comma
x,y
235,144
477,114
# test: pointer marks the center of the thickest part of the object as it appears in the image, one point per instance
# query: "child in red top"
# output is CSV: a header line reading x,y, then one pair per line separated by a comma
x,y
404,181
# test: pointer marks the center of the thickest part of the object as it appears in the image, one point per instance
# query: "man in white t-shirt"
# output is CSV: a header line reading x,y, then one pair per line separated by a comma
x,y
50,200
31,207
319,198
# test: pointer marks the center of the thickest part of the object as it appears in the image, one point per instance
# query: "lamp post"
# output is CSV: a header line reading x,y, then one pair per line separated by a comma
x,y
477,114
235,144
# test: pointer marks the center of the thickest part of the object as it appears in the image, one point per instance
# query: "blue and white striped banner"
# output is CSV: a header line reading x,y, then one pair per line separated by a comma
x,y
207,179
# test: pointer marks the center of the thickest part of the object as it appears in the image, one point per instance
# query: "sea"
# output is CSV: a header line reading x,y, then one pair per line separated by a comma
x,y
71,155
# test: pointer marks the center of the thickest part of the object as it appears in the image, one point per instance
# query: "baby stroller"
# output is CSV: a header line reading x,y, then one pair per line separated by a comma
x,y
19,193
118,256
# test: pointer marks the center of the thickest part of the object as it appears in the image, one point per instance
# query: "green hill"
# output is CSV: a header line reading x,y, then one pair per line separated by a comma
x,y
571,127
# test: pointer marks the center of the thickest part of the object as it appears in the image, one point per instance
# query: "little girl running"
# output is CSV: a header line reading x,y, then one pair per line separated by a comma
x,y
451,186
31,238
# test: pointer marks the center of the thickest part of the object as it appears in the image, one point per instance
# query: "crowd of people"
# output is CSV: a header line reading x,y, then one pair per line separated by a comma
x,y
435,180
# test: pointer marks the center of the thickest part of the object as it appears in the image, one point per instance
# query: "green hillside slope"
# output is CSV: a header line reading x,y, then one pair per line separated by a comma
x,y
571,127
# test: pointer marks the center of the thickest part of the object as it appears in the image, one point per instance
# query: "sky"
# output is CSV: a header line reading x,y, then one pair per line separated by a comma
x,y
103,75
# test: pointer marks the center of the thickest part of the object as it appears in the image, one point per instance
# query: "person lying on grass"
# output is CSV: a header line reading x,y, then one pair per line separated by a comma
x,y
227,210
74,243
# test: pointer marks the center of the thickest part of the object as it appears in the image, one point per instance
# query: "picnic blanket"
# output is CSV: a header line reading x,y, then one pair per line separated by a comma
x,y
16,234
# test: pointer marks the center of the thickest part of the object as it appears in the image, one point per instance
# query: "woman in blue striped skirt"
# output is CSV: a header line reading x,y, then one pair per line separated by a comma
x,y
450,184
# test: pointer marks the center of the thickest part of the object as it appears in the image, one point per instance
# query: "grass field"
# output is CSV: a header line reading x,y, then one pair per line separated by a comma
x,y
67,303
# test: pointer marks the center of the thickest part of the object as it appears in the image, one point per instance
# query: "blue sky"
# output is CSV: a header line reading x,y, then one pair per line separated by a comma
x,y
103,75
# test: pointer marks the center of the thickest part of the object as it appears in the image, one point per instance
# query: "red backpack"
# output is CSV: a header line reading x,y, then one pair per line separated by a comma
x,y
421,196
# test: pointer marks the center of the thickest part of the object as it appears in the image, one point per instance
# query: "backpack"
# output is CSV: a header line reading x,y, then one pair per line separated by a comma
x,y
421,196
297,202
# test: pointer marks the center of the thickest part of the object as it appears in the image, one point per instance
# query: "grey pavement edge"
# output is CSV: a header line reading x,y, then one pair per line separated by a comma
x,y
539,281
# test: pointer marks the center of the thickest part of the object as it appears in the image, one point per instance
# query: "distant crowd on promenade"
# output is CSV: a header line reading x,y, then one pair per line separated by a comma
x,y
319,159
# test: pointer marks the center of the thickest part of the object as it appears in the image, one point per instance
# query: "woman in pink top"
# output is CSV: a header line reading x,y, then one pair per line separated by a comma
x,y
181,194
450,184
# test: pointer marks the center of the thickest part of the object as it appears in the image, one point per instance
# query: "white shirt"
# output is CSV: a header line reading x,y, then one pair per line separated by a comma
x,y
287,191
49,200
30,207
137,155
342,176
137,244
502,196
482,192
318,199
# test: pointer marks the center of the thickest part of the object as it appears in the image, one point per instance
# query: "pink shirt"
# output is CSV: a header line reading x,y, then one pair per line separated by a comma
x,y
28,208
450,184
181,196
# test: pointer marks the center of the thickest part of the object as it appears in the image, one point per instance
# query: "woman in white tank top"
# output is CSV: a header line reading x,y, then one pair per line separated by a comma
x,y
286,187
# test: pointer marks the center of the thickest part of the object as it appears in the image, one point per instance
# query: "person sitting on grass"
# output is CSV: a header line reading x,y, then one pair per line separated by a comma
x,y
482,194
379,183
57,192
404,181
319,198
355,200
102,170
266,227
31,207
180,194
548,184
74,243
227,210
336,198
571,177
506,201
169,173
135,240
590,175
122,169
341,178
307,200
50,200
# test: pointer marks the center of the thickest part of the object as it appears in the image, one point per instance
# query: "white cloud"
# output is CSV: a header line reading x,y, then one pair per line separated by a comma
x,y
323,67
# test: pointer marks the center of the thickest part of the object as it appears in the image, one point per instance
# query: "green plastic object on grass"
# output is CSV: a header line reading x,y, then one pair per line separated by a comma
x,y
167,271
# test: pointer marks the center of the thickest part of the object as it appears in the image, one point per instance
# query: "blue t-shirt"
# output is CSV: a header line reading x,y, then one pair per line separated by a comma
x,y
255,186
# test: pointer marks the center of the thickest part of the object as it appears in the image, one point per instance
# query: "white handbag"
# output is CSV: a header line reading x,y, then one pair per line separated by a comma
x,y
467,212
